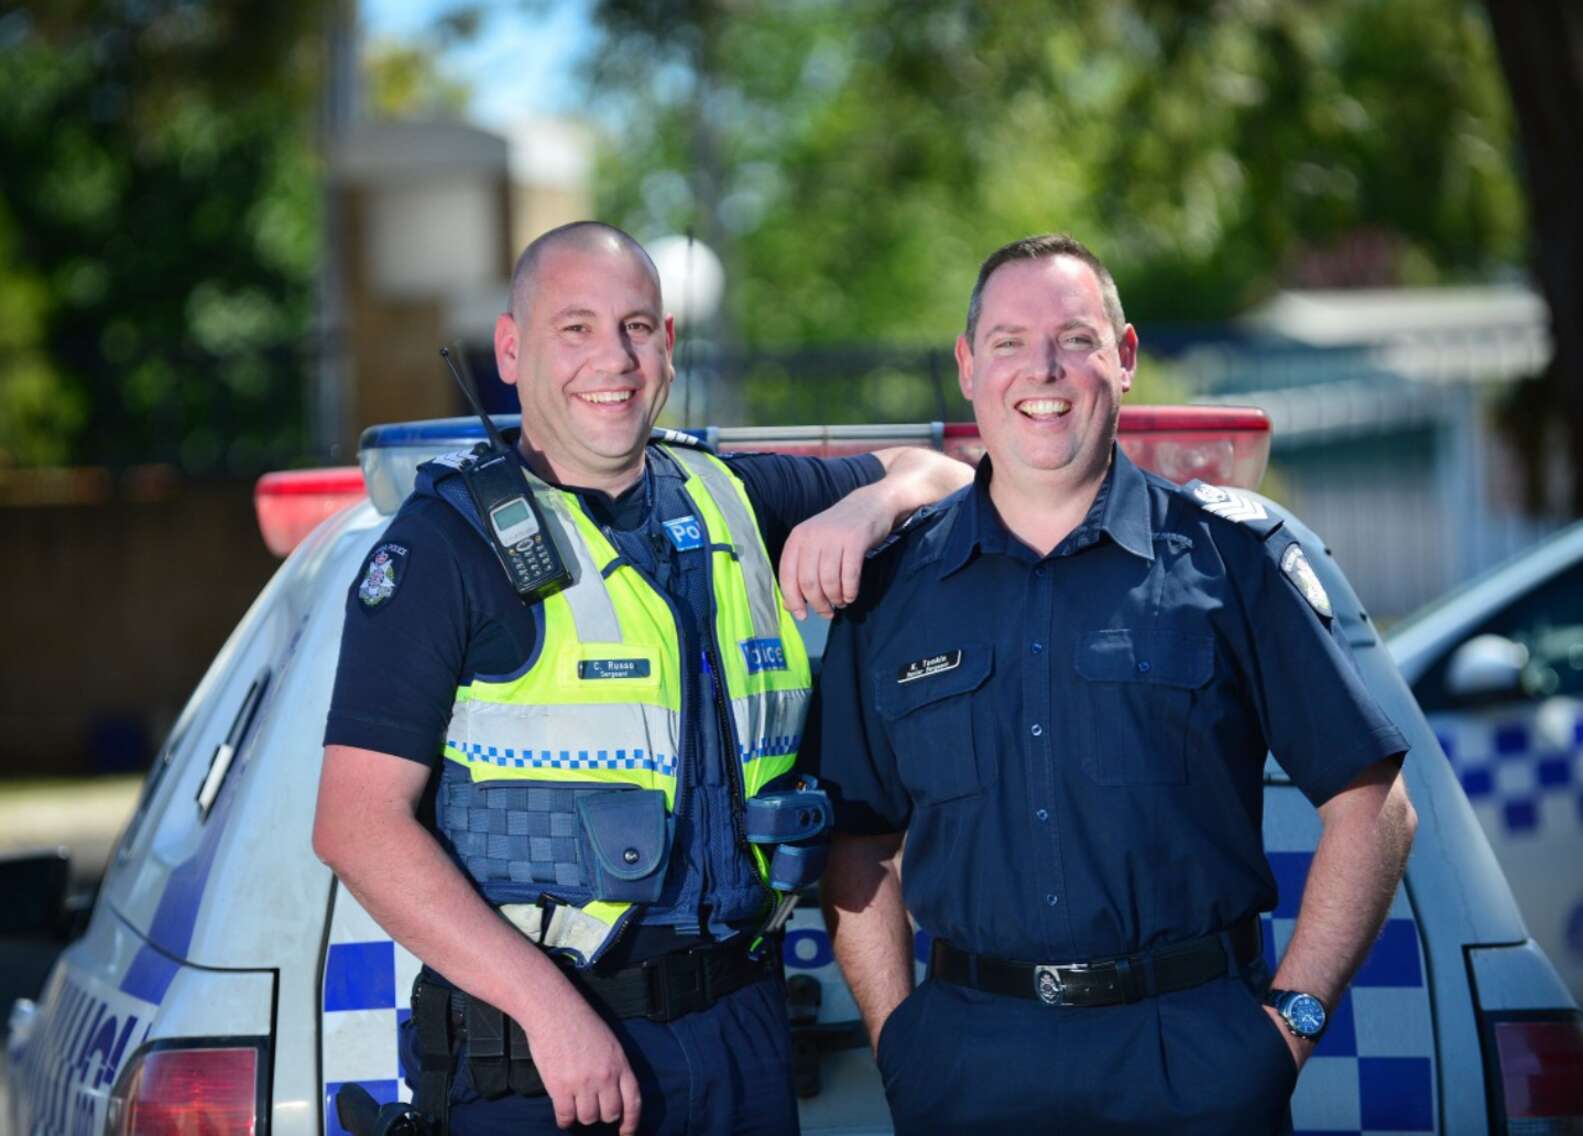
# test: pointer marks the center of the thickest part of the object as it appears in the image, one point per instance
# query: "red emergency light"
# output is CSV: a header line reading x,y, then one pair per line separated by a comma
x,y
1223,445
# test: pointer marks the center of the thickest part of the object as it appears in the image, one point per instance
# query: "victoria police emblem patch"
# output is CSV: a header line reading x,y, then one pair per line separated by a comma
x,y
1301,573
381,575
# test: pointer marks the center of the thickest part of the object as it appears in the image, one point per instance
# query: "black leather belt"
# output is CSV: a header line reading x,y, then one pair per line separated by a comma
x,y
684,982
1104,982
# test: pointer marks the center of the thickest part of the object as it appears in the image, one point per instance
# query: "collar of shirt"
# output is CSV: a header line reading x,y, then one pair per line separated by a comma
x,y
624,511
1120,511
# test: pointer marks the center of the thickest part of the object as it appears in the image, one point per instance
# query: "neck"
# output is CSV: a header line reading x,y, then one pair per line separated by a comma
x,y
612,481
1042,511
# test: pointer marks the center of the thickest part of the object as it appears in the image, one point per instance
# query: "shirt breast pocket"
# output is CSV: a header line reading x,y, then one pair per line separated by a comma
x,y
929,708
1141,688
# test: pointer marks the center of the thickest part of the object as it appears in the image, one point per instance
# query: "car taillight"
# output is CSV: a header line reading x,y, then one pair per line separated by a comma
x,y
290,504
1539,1063
176,1092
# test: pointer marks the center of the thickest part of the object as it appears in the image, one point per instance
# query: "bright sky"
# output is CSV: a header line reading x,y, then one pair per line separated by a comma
x,y
521,61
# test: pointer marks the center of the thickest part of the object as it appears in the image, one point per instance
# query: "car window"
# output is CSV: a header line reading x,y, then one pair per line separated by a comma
x,y
1548,621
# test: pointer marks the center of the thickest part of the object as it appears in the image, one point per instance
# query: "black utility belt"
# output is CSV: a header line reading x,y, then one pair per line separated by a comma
x,y
661,989
1105,982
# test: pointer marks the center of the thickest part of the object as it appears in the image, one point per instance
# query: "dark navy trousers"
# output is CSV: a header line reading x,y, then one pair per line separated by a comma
x,y
726,1069
1202,1061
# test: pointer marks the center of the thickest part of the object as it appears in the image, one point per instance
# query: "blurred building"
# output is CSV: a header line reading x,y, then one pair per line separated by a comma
x,y
1383,406
429,218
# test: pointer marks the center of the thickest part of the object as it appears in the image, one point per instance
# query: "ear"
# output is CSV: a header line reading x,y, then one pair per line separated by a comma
x,y
964,367
1127,352
506,348
670,348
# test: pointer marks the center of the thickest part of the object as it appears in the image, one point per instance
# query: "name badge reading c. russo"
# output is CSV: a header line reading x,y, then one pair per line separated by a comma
x,y
933,665
613,668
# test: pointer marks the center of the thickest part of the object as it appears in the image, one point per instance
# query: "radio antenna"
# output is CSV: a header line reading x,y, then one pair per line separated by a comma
x,y
687,344
470,394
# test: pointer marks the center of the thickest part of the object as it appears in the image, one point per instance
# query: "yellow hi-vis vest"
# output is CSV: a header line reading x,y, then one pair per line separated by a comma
x,y
600,708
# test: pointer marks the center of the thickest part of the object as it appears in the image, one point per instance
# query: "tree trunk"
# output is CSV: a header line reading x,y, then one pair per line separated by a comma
x,y
1541,51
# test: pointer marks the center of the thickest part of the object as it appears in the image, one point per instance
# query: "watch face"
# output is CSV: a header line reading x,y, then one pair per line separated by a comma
x,y
1305,1013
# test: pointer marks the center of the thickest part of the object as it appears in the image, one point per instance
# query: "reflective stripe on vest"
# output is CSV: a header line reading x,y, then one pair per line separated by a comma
x,y
601,704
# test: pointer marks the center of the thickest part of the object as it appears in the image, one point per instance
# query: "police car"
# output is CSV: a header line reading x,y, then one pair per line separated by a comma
x,y
1497,667
226,984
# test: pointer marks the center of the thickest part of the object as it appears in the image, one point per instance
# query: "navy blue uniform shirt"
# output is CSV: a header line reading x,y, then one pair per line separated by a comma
x,y
454,615
449,614
1074,743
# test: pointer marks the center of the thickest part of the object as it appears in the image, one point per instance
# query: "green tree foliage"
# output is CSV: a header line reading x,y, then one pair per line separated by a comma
x,y
158,229
854,161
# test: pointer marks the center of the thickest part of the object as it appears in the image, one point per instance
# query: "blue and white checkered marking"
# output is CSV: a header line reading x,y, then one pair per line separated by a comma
x,y
778,746
509,758
1522,770
1374,1070
366,996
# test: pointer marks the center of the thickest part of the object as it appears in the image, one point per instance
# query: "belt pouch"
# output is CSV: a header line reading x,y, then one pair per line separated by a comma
x,y
787,816
796,866
626,838
486,1048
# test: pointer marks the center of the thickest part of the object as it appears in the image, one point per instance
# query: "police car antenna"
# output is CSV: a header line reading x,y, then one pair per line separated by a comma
x,y
685,351
470,394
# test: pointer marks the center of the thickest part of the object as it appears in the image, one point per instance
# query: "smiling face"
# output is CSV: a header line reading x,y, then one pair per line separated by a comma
x,y
1046,371
589,351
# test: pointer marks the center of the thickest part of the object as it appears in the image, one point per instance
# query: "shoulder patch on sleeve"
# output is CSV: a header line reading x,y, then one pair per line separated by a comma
x,y
1294,563
1232,505
382,574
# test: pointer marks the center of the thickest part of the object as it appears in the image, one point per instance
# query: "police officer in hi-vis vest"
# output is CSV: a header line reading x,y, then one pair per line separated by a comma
x,y
578,807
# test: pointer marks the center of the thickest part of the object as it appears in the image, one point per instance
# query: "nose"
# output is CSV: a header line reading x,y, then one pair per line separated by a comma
x,y
1049,358
616,355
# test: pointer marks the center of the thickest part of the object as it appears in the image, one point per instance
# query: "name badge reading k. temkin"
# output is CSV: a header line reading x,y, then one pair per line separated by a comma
x,y
933,665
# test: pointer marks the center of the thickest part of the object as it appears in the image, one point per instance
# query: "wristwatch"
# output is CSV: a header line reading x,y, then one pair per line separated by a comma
x,y
1303,1014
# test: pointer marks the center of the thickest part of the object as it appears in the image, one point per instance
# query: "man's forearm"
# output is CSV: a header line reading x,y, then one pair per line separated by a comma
x,y
1368,830
367,831
915,477
868,925
405,881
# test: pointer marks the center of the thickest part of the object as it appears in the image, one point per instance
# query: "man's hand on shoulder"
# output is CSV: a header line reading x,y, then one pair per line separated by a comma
x,y
822,562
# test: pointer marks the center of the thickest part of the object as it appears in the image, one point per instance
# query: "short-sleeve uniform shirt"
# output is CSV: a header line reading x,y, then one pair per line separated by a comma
x,y
1074,743
432,608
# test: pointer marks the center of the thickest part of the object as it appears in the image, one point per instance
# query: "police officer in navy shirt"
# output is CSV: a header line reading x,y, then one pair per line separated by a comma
x,y
1059,686
619,993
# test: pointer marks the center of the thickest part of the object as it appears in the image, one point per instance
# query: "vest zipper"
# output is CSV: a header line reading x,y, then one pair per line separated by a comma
x,y
732,745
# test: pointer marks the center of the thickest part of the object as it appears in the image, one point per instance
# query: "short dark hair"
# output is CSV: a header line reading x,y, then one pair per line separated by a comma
x,y
586,235
1038,248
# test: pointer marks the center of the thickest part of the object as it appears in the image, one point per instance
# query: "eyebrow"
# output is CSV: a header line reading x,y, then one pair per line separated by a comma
x,y
1019,329
589,313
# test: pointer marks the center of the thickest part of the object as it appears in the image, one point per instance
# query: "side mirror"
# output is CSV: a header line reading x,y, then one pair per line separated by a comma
x,y
33,888
1487,668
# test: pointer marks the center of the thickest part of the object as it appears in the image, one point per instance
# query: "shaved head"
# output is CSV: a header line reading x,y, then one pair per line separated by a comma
x,y
581,236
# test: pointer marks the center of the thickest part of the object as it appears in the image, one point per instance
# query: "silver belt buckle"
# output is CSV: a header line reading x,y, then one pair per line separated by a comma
x,y
1048,985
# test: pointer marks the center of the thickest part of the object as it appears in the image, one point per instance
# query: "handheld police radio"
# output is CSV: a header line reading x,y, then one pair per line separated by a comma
x,y
510,517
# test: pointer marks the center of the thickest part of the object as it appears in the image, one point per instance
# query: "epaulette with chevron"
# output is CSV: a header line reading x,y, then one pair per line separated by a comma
x,y
1233,505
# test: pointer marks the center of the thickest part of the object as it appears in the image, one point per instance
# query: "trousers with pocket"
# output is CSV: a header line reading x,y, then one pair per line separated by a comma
x,y
1207,1060
724,1069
